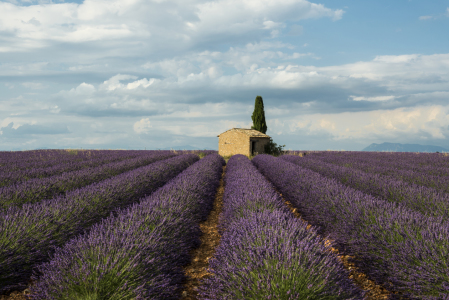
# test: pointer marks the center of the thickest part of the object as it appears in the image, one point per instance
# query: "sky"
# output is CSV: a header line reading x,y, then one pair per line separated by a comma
x,y
142,74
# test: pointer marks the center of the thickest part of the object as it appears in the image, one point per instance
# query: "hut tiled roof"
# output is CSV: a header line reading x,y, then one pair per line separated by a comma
x,y
248,132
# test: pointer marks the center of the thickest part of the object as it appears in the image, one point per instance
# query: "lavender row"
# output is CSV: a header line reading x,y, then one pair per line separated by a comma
x,y
429,175
267,253
400,248
138,253
10,177
21,160
389,163
29,234
37,189
437,182
380,162
426,200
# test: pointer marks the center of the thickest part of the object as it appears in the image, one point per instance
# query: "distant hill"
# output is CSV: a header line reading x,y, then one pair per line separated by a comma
x,y
396,147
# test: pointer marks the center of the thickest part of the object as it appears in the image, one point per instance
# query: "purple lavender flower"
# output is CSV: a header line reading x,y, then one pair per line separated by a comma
x,y
391,242
37,189
267,253
137,253
28,235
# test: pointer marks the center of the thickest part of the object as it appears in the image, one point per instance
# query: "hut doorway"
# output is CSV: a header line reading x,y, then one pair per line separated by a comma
x,y
253,147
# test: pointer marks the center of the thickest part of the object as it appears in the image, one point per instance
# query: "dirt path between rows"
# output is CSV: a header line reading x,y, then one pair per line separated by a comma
x,y
210,238
18,295
15,296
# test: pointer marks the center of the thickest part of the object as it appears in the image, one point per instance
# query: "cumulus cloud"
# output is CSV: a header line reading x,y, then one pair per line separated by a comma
x,y
386,82
114,82
159,25
83,89
378,98
104,69
419,124
142,126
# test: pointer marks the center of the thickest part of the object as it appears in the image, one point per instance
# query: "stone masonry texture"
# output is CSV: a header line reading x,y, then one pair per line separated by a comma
x,y
239,141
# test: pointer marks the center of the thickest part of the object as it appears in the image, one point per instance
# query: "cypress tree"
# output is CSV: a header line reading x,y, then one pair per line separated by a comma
x,y
258,116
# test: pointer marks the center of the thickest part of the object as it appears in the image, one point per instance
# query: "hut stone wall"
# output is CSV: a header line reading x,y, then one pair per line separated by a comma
x,y
242,141
233,142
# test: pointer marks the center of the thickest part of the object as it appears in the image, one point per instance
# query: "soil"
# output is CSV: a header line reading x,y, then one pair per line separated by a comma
x,y
210,238
16,296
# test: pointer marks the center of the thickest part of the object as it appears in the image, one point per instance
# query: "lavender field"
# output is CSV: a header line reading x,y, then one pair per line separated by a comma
x,y
107,224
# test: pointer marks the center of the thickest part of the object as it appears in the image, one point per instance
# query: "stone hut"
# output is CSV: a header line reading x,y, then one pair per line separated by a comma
x,y
242,141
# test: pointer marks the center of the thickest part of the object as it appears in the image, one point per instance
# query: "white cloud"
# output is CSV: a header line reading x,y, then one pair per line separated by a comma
x,y
83,89
422,122
273,25
114,82
400,73
426,17
396,58
209,64
159,24
142,126
430,120
326,124
373,99
406,79
194,67
142,82
33,85
70,22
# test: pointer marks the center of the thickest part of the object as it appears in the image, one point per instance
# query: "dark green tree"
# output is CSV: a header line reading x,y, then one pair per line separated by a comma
x,y
258,116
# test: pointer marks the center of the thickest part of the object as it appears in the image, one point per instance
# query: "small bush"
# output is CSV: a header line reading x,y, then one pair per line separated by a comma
x,y
274,149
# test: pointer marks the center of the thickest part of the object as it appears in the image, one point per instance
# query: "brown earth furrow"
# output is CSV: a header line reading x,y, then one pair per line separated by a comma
x,y
210,238
16,295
